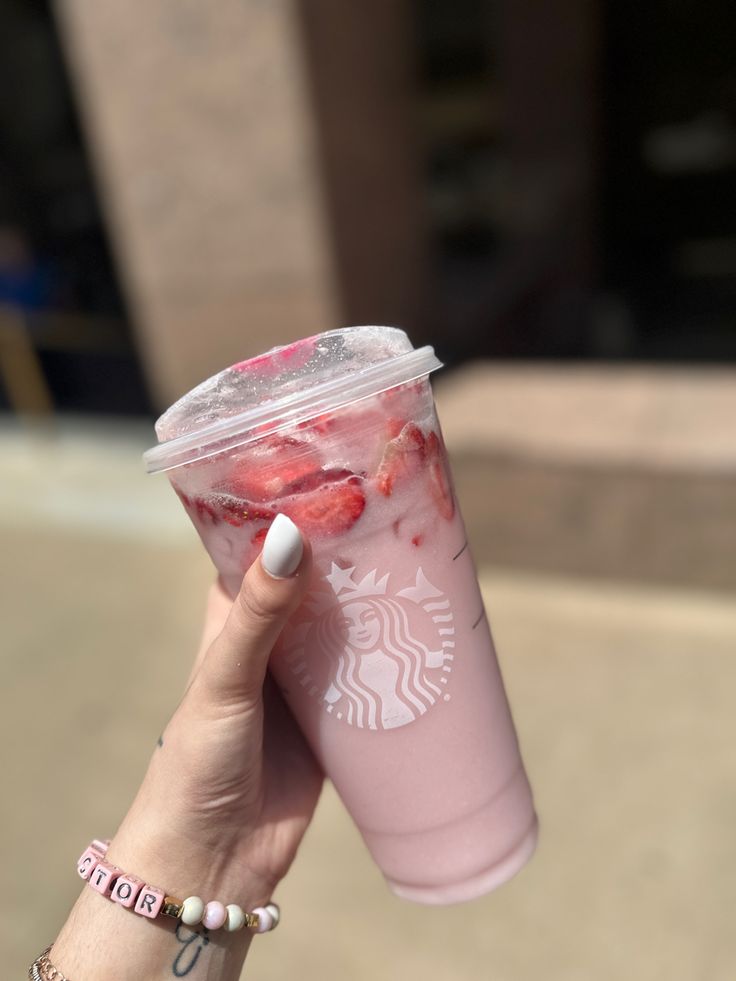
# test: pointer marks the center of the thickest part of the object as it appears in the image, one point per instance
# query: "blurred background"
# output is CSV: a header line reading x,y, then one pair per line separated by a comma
x,y
544,191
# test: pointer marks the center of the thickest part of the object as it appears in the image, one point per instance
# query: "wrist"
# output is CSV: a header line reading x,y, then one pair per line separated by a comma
x,y
183,865
104,940
101,940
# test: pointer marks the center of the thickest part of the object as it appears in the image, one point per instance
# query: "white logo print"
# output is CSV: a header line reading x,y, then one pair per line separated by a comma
x,y
375,660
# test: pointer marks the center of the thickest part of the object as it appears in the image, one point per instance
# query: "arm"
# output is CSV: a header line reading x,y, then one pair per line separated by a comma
x,y
227,797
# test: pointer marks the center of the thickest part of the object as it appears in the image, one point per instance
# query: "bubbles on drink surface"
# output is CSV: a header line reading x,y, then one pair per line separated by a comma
x,y
287,369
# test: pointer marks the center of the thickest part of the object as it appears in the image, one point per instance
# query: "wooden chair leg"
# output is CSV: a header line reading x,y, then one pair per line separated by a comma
x,y
20,367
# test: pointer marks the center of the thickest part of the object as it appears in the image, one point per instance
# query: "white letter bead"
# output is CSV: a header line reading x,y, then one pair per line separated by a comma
x,y
192,911
235,918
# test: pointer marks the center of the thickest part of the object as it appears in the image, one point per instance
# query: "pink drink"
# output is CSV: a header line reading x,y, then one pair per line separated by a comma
x,y
389,665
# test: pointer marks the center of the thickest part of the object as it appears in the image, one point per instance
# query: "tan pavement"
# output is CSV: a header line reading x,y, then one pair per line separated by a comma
x,y
623,693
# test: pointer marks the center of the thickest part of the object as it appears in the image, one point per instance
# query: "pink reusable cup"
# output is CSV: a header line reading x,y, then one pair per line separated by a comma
x,y
388,665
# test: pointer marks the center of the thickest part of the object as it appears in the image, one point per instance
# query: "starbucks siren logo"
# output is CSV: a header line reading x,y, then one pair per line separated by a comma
x,y
375,660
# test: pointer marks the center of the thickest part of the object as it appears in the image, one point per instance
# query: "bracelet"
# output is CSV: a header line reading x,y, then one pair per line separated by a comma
x,y
43,970
146,900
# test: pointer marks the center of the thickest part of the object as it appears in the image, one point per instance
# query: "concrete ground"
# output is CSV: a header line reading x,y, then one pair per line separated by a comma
x,y
621,672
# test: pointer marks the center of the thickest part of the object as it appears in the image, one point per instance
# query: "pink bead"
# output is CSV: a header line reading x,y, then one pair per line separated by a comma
x,y
103,876
87,861
149,902
101,845
126,889
265,920
215,915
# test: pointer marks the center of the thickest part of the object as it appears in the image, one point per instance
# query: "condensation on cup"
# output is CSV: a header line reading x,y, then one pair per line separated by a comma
x,y
388,665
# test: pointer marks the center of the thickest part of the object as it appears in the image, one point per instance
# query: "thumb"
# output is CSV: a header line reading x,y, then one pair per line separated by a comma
x,y
234,666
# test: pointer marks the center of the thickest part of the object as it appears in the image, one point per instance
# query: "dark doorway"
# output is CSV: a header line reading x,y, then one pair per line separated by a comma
x,y
58,282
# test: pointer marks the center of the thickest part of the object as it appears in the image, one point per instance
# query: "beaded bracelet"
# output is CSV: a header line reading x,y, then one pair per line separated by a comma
x,y
146,900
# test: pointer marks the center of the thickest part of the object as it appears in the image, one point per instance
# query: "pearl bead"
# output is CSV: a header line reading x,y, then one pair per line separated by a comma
x,y
275,912
235,918
265,920
192,911
215,915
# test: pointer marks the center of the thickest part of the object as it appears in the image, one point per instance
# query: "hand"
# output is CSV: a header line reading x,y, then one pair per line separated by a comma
x,y
227,797
232,785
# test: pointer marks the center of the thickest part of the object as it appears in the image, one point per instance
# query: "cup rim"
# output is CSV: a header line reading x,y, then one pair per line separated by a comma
x,y
226,434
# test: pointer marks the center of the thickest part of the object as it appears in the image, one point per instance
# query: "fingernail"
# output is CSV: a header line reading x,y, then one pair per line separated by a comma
x,y
282,549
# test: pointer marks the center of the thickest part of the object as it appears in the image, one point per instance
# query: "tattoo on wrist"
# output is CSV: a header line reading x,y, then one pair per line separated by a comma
x,y
160,740
193,943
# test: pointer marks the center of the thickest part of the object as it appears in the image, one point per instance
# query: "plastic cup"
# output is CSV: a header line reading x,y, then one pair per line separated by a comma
x,y
388,665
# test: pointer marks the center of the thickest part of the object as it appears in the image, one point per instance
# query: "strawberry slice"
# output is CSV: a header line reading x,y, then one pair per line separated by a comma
x,y
327,422
312,481
268,469
260,536
394,427
199,506
290,357
238,513
404,455
439,483
366,416
222,507
331,509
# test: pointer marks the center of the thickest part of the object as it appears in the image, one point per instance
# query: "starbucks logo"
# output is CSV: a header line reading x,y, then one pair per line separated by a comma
x,y
374,658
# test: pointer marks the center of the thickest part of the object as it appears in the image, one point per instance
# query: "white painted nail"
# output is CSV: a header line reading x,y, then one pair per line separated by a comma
x,y
282,549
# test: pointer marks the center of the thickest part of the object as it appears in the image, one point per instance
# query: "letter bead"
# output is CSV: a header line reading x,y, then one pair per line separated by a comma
x,y
103,877
192,911
87,861
149,902
126,889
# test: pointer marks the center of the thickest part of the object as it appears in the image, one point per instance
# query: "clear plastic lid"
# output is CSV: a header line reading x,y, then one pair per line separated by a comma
x,y
284,386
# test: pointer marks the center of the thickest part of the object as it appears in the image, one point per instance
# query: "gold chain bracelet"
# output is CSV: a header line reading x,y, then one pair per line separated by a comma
x,y
43,970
